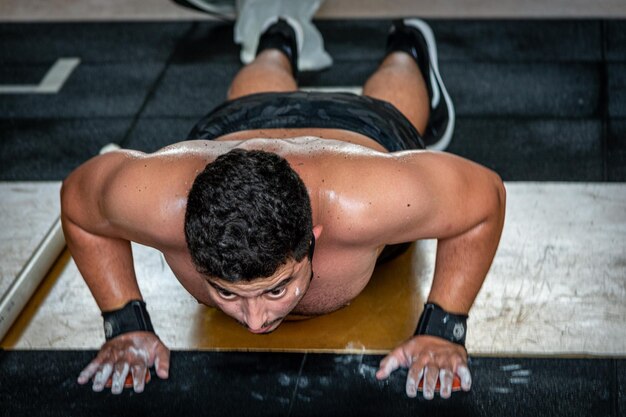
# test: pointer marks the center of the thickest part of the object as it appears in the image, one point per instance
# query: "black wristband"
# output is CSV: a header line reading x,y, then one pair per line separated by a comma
x,y
435,321
132,317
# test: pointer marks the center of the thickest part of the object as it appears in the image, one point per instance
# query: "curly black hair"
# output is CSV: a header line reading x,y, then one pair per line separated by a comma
x,y
247,213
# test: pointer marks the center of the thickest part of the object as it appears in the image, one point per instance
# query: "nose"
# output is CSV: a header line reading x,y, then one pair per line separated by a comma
x,y
255,314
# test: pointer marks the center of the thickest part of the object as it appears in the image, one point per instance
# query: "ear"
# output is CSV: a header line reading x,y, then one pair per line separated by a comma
x,y
317,231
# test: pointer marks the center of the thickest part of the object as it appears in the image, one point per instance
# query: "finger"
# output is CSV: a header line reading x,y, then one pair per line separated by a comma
x,y
412,380
389,364
102,376
139,377
88,372
445,380
162,362
466,377
431,373
119,377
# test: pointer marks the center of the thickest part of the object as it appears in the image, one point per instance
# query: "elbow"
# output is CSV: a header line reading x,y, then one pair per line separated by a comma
x,y
66,190
64,196
501,190
500,196
67,196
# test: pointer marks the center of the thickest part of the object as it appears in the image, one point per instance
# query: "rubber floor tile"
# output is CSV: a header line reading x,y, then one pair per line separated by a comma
x,y
474,40
512,41
362,40
345,385
43,383
523,90
91,91
620,403
191,90
341,74
208,42
617,90
91,42
48,149
616,150
616,40
533,150
151,134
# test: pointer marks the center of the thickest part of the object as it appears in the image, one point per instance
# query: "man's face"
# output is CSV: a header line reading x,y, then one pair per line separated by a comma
x,y
262,304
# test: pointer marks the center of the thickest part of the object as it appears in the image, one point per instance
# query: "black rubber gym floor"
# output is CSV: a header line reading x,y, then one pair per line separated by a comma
x,y
536,101
43,383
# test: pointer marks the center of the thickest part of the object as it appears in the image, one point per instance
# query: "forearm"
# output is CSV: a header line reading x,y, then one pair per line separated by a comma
x,y
106,265
463,261
100,250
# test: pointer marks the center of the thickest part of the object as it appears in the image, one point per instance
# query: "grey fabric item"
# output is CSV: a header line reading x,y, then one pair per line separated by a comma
x,y
254,16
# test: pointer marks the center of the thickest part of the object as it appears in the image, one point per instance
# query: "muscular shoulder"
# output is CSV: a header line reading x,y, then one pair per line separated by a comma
x,y
360,194
130,194
376,198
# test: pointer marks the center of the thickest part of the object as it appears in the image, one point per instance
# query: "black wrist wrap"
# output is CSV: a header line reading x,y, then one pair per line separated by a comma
x,y
132,317
435,321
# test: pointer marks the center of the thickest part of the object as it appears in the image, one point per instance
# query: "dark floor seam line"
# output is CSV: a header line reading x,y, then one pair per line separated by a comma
x,y
295,390
155,85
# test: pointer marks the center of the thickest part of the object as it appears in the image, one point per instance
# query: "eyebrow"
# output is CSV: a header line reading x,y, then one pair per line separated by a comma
x,y
279,285
275,287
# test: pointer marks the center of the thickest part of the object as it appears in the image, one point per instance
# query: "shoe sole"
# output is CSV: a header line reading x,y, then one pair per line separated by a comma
x,y
435,78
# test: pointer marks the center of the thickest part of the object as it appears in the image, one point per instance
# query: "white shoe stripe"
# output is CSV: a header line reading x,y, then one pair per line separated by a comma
x,y
434,102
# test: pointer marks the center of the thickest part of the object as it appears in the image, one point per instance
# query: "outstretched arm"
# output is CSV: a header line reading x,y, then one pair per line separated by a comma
x,y
102,252
462,205
466,215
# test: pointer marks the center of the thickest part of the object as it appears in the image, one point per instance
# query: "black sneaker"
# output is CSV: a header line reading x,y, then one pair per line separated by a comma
x,y
416,38
282,35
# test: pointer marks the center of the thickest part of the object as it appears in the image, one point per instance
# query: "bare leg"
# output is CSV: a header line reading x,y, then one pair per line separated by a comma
x,y
399,81
269,72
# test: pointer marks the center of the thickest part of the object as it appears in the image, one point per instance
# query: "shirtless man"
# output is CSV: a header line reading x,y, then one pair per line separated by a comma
x,y
283,202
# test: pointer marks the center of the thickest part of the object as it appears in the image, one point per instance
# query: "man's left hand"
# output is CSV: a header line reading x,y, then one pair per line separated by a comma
x,y
429,358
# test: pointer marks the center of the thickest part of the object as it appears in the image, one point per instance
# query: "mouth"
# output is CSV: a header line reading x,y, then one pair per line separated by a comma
x,y
264,330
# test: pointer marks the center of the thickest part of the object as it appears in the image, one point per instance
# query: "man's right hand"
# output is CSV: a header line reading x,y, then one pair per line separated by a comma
x,y
134,352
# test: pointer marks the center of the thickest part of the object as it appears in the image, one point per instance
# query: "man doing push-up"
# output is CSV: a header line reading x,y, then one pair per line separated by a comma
x,y
283,201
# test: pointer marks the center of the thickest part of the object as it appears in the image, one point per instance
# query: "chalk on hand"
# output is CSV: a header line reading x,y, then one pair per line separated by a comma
x,y
128,383
456,385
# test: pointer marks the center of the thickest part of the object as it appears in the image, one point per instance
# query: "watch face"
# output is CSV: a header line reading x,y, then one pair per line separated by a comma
x,y
459,331
108,329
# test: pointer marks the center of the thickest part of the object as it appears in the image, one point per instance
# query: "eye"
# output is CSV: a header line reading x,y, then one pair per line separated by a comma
x,y
226,295
277,293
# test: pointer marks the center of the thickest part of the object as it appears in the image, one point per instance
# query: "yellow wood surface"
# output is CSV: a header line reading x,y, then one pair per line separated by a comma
x,y
384,314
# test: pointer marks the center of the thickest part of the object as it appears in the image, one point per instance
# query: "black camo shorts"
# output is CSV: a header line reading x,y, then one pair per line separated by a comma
x,y
370,117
